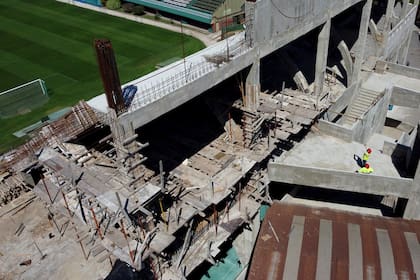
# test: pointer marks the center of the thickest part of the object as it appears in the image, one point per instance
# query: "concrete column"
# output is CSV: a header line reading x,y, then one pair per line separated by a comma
x,y
412,210
403,53
253,87
404,10
364,25
388,16
347,60
321,58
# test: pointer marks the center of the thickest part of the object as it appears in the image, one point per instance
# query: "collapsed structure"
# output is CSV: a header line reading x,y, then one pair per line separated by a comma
x,y
169,212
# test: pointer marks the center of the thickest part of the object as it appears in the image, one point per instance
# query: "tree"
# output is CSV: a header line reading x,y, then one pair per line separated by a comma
x,y
113,4
138,10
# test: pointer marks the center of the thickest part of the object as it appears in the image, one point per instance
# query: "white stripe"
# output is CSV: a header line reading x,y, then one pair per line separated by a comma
x,y
323,265
291,266
386,255
355,252
414,247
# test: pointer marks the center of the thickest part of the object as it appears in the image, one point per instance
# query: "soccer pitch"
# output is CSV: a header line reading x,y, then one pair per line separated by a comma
x,y
53,41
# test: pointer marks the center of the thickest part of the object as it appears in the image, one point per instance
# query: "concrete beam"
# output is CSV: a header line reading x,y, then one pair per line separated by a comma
x,y
321,58
195,88
403,70
339,180
405,97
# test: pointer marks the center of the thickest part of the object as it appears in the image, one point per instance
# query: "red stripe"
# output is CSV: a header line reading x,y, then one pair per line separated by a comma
x,y
309,252
402,258
340,249
371,262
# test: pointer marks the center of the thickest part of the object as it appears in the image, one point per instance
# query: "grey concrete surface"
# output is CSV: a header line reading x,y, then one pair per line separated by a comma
x,y
339,180
405,97
322,151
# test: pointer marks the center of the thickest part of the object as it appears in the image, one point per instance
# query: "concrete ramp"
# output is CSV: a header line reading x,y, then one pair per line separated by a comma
x,y
339,180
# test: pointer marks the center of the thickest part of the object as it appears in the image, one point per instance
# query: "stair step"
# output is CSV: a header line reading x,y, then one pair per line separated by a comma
x,y
363,100
366,97
360,106
366,103
358,110
368,91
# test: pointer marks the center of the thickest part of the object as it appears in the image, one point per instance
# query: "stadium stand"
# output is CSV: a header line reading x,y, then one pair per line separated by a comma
x,y
209,12
206,5
176,7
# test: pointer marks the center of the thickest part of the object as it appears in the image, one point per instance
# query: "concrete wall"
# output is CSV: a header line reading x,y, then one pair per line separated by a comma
x,y
277,21
335,130
339,180
341,103
405,97
193,89
373,121
403,70
400,32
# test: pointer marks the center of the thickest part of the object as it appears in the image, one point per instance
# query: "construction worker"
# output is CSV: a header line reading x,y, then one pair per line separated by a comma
x,y
365,169
366,156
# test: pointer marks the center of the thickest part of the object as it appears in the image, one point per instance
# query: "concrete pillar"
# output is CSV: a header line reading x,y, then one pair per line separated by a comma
x,y
253,87
321,58
403,52
412,210
347,60
404,8
388,16
364,25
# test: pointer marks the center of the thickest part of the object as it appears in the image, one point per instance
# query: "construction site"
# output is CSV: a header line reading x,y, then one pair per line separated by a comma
x,y
175,182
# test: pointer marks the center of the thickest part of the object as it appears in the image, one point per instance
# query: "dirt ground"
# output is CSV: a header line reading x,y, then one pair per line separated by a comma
x,y
63,258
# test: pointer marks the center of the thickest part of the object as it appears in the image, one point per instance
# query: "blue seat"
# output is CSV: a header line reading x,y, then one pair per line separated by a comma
x,y
128,93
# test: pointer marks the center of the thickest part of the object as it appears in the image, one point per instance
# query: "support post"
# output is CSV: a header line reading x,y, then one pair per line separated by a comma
x,y
348,62
412,210
253,87
321,58
363,31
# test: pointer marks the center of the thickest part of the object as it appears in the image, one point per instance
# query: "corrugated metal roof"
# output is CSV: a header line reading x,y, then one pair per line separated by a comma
x,y
300,242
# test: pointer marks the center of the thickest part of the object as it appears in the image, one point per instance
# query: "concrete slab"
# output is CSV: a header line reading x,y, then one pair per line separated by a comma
x,y
410,116
322,151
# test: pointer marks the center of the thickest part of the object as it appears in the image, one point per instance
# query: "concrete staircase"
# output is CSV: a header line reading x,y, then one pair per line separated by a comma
x,y
360,106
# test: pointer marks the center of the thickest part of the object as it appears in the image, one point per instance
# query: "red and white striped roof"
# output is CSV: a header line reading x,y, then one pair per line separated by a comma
x,y
300,242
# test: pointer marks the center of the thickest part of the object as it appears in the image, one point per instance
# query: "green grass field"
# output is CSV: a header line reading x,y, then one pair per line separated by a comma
x,y
54,42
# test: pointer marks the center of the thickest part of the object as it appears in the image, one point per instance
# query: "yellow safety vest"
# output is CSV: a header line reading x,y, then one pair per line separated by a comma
x,y
365,170
366,156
